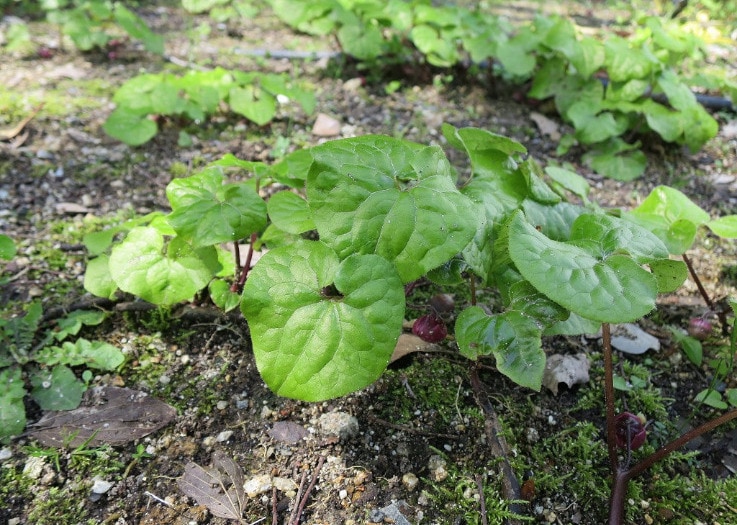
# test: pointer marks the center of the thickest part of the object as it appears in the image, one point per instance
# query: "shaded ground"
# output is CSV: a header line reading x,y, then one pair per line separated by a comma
x,y
420,419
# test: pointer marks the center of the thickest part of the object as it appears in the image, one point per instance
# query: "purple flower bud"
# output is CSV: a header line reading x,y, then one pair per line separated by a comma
x,y
430,328
699,328
630,430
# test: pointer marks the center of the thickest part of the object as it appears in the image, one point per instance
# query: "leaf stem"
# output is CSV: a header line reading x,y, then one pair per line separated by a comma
x,y
611,432
247,265
720,312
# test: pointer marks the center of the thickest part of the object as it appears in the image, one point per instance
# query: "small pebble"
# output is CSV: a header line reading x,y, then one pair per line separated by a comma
x,y
100,486
222,405
5,453
410,481
164,380
340,424
224,436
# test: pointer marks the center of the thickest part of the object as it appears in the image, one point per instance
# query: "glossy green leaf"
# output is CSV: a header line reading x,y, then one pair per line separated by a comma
x,y
58,389
574,325
222,296
725,227
617,160
253,103
570,181
670,274
139,265
92,354
711,398
73,322
130,127
668,123
206,211
290,212
670,215
624,61
512,338
362,41
322,327
380,195
606,287
97,278
12,409
7,247
553,221
137,28
604,235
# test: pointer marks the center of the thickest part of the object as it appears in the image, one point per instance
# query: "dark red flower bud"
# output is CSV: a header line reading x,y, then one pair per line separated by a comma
x,y
699,328
630,430
430,328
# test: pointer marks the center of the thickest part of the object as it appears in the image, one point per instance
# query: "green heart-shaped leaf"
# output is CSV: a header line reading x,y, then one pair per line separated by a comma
x,y
513,339
321,327
208,212
398,201
138,265
603,286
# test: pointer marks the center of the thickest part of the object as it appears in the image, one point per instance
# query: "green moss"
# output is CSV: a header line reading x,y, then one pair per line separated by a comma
x,y
13,485
57,505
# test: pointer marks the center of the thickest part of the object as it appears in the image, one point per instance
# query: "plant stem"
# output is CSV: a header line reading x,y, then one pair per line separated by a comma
x,y
611,432
247,264
472,280
720,313
666,449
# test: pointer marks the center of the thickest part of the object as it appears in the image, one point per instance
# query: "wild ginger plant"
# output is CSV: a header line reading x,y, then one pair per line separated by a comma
x,y
354,222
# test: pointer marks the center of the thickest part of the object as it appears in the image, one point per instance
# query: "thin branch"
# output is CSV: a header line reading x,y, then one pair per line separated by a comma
x,y
306,495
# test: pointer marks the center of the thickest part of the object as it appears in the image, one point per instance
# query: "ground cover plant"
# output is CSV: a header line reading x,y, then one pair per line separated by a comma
x,y
334,252
325,315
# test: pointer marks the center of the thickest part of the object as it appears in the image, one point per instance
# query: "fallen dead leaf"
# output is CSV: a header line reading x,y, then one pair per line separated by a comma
x,y
107,414
219,488
631,339
568,369
409,343
545,125
9,133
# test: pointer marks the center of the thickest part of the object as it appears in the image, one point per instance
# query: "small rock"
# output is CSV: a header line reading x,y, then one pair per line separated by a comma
x,y
14,521
340,424
258,485
353,84
533,436
222,405
100,486
224,436
164,380
326,126
70,208
285,485
208,442
393,513
5,453
34,467
410,481
436,465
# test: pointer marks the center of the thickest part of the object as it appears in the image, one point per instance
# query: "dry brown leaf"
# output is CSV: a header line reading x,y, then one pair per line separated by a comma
x,y
107,414
568,369
545,125
9,133
219,488
409,343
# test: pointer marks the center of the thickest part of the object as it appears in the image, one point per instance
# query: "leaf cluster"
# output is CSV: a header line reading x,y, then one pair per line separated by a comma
x,y
605,89
196,95
38,362
355,220
87,23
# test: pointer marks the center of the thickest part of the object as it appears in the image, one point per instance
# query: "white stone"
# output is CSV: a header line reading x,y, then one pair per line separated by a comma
x,y
100,486
258,485
224,436
33,467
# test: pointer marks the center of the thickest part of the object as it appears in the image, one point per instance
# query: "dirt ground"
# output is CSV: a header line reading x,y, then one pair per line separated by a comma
x,y
417,439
